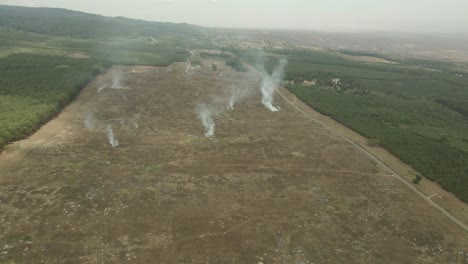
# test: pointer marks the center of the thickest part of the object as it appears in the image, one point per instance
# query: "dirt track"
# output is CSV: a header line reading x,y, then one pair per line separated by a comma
x,y
269,188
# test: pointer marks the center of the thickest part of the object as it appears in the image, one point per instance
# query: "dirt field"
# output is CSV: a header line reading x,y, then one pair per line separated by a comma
x,y
268,188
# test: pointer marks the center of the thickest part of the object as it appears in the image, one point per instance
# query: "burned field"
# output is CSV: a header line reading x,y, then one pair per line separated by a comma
x,y
126,175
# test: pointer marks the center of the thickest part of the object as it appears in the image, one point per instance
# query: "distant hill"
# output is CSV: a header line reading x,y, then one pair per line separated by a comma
x,y
63,22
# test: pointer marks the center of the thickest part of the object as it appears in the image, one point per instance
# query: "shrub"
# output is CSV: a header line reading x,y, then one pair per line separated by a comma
x,y
417,179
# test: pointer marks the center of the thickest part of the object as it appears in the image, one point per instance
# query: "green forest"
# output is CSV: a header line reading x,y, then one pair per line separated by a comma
x,y
34,88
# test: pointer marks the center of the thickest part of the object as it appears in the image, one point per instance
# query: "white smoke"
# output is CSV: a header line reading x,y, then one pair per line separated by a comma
x,y
268,89
110,135
207,112
89,122
117,78
136,119
236,94
188,63
206,115
101,88
270,84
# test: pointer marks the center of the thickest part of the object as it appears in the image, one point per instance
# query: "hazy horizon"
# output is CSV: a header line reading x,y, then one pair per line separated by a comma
x,y
426,16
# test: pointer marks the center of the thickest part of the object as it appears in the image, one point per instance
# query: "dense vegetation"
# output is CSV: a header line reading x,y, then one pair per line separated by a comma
x,y
62,22
417,113
34,88
460,106
236,64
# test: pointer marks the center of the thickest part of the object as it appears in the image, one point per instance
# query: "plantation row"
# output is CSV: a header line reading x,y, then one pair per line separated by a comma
x,y
33,89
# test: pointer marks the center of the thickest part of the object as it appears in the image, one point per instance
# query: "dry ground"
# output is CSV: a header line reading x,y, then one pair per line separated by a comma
x,y
268,188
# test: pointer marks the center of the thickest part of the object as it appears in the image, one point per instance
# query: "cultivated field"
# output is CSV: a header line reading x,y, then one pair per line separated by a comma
x,y
269,187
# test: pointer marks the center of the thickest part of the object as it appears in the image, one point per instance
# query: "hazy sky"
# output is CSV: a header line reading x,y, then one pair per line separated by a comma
x,y
394,15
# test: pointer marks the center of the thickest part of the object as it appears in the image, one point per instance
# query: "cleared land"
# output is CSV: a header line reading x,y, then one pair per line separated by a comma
x,y
269,188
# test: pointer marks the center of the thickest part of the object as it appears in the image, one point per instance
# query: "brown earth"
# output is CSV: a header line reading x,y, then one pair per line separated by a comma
x,y
268,188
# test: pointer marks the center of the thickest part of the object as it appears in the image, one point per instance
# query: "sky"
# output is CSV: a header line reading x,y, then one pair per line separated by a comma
x,y
449,16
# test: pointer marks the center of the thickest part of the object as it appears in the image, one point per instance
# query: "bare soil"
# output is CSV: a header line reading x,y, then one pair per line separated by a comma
x,y
268,188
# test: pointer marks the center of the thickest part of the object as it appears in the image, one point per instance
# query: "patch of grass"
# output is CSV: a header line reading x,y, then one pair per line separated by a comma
x,y
18,236
241,139
73,166
151,168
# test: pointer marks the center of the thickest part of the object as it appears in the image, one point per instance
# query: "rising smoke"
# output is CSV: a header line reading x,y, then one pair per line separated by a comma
x,y
237,94
110,135
206,115
207,112
117,79
270,84
88,122
91,124
136,119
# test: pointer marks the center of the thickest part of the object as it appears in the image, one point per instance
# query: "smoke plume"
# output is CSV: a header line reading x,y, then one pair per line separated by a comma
x,y
206,115
270,84
236,94
268,89
136,119
110,135
117,78
89,123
